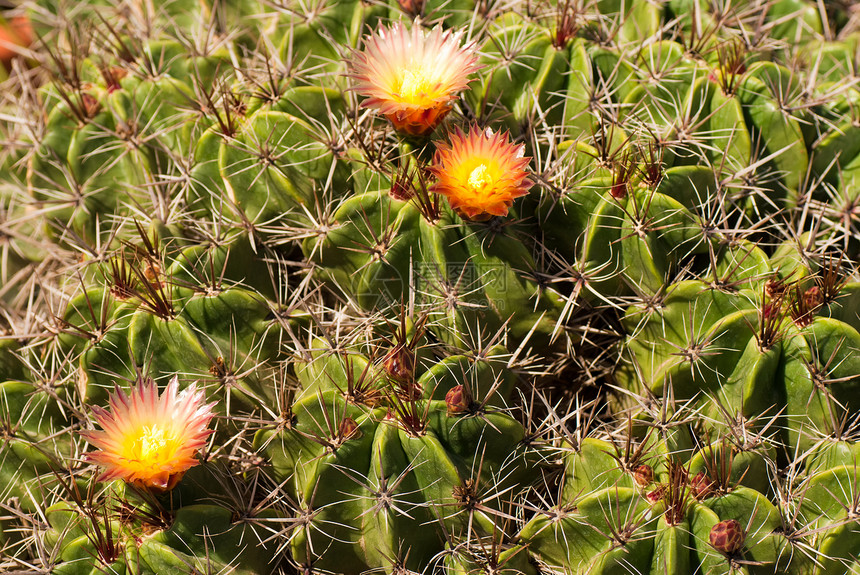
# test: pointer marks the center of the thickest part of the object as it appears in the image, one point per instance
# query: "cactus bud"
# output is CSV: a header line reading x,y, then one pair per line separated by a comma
x,y
348,429
401,190
812,297
701,486
90,106
458,400
643,475
399,364
804,305
619,190
154,275
727,536
775,288
412,8
113,76
655,495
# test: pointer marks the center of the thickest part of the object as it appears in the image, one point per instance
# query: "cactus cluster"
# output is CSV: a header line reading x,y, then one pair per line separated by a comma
x,y
422,286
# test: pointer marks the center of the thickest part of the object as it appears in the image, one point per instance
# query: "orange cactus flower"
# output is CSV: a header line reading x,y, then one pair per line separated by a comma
x,y
149,440
412,77
14,33
481,173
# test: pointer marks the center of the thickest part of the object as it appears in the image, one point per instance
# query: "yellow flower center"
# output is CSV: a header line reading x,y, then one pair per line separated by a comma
x,y
152,444
414,84
480,178
152,441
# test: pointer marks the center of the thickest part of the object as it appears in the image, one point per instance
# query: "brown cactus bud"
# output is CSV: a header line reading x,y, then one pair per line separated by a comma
x,y
643,475
113,75
458,400
775,288
411,7
701,486
153,274
619,190
812,298
90,106
727,536
656,495
219,368
399,364
348,429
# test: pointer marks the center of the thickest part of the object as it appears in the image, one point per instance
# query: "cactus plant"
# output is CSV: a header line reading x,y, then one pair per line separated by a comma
x,y
786,349
459,287
372,464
